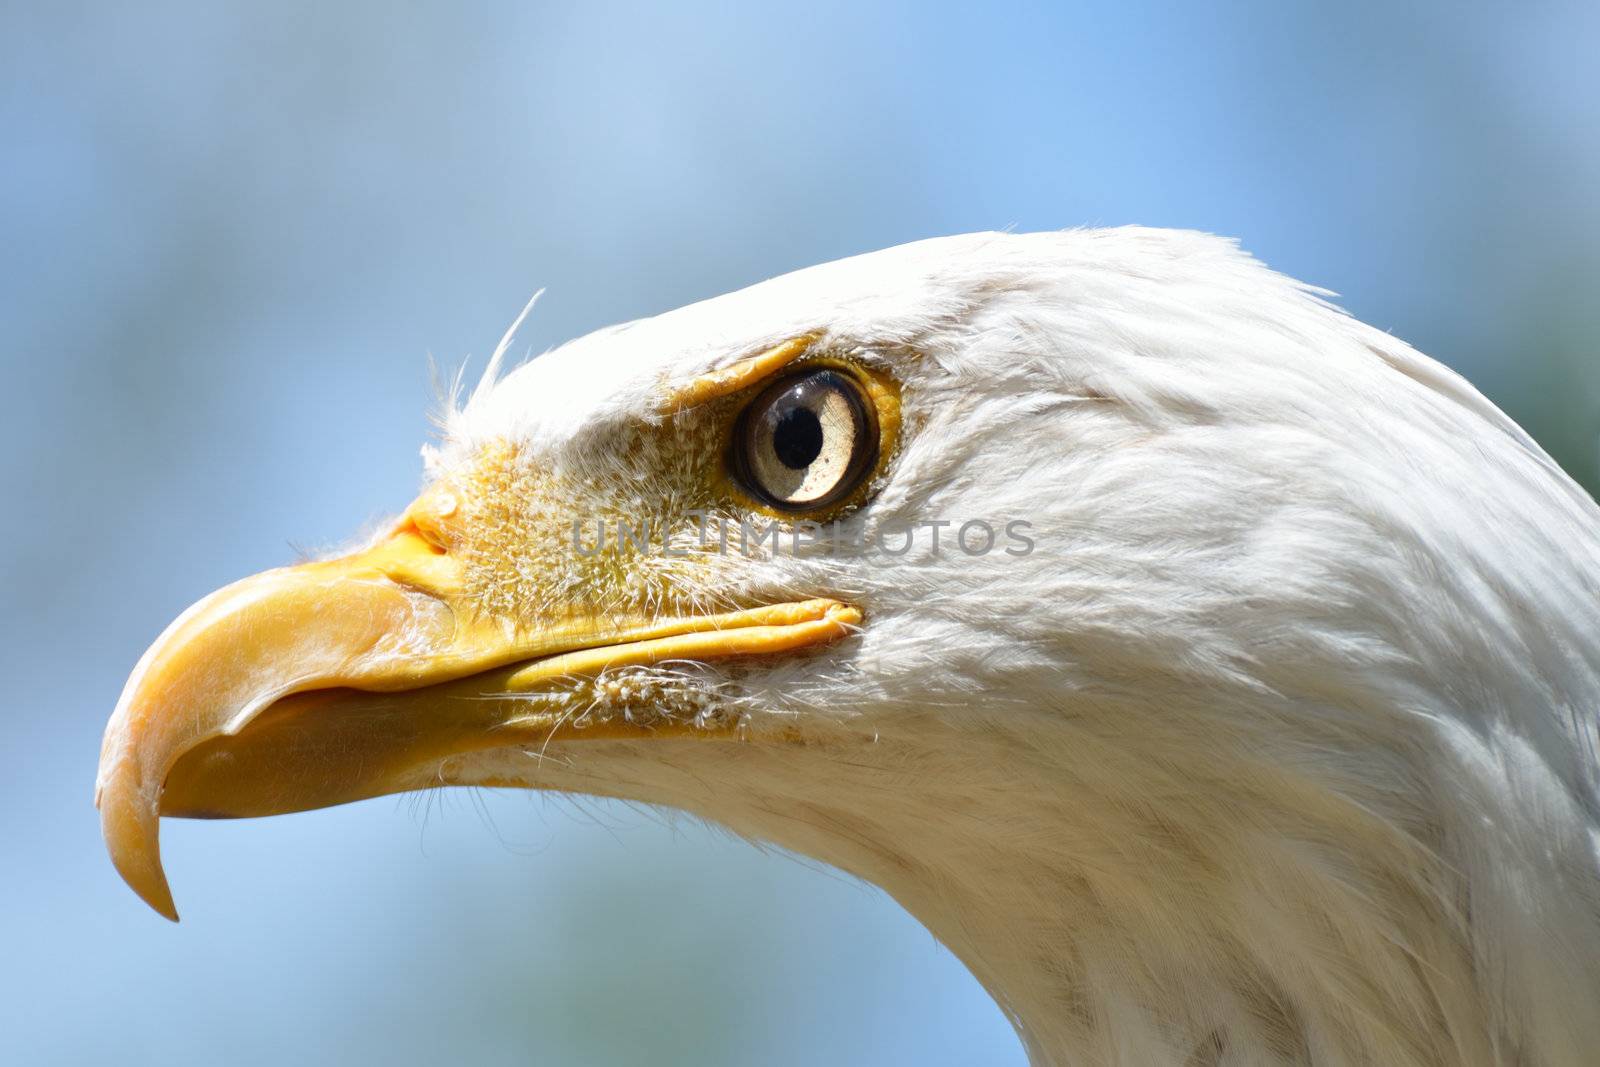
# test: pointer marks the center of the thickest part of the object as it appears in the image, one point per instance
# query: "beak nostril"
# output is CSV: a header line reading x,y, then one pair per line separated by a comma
x,y
428,533
426,518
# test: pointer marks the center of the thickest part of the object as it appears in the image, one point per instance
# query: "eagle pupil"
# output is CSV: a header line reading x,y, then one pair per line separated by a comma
x,y
797,439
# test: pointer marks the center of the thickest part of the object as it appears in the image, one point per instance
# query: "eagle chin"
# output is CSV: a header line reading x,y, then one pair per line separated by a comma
x,y
1214,674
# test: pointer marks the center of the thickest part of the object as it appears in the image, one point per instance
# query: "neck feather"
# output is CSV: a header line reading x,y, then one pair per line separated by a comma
x,y
1167,903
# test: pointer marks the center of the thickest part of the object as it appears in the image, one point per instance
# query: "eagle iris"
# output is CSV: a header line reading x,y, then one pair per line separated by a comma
x,y
806,441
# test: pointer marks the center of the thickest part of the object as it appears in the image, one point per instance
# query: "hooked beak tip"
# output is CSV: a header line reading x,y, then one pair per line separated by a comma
x,y
131,825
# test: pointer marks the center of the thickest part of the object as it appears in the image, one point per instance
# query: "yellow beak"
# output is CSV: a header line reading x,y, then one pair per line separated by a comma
x,y
339,680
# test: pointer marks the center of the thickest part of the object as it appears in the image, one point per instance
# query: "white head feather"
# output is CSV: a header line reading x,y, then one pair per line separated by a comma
x,y
1280,744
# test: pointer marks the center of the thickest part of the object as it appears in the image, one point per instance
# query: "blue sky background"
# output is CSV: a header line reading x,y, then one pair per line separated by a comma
x,y
233,234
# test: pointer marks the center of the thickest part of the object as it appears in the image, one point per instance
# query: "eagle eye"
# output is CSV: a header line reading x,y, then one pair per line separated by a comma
x,y
807,441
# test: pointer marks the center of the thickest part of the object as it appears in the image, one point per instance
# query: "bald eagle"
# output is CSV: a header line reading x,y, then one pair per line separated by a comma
x,y
1214,674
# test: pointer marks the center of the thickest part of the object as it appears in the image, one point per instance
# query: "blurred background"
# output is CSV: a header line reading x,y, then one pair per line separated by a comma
x,y
234,233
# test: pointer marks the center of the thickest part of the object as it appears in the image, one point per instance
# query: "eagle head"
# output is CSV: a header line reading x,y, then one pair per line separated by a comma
x,y
1214,674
